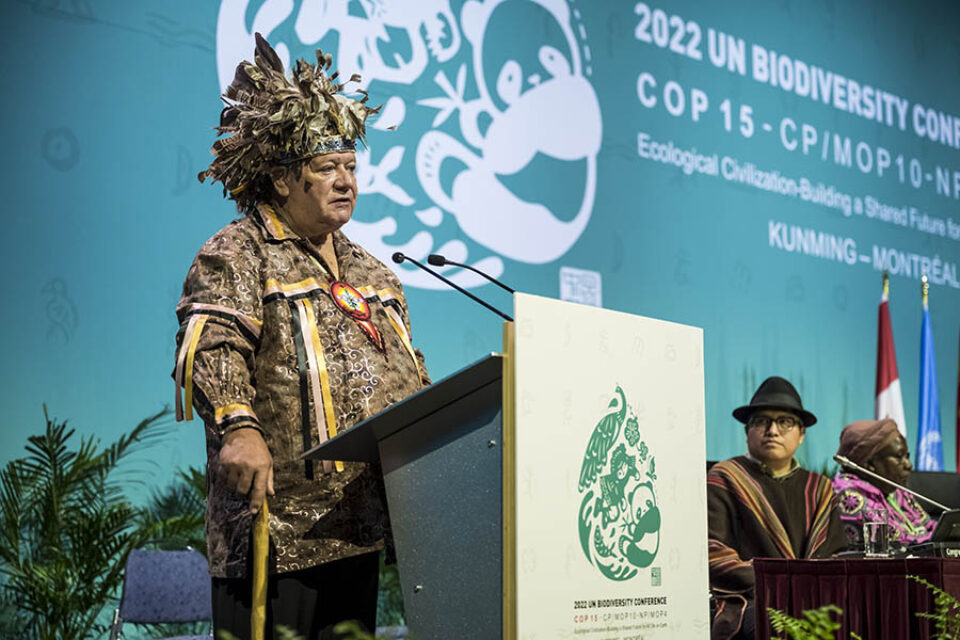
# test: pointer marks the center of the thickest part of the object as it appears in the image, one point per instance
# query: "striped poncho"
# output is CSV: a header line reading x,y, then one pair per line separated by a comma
x,y
752,514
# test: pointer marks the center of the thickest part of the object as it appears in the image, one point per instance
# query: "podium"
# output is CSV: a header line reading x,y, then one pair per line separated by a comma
x,y
553,490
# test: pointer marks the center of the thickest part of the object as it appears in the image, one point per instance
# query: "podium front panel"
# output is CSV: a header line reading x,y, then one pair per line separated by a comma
x,y
609,522
443,481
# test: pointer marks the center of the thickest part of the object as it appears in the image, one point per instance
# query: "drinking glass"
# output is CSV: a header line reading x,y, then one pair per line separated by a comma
x,y
876,532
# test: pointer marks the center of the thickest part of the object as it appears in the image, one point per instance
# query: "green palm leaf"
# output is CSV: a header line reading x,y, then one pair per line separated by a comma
x,y
66,528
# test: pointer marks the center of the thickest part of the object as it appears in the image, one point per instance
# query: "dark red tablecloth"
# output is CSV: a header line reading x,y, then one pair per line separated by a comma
x,y
877,599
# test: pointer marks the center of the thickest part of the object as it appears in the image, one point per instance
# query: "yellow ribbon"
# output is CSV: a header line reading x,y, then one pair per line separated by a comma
x,y
188,370
261,547
397,324
326,395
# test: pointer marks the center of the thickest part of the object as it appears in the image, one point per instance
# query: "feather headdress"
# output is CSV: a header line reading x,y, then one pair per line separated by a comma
x,y
272,119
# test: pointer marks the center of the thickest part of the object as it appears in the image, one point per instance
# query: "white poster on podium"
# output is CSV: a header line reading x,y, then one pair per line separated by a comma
x,y
610,519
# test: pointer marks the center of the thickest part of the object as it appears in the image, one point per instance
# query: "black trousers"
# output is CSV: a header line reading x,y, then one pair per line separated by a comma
x,y
310,602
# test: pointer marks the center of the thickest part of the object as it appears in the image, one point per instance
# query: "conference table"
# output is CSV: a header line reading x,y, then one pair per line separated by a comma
x,y
878,600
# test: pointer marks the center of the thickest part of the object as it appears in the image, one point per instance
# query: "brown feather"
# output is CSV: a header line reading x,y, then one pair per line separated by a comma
x,y
265,51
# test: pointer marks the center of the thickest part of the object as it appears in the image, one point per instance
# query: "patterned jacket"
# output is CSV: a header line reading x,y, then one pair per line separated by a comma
x,y
909,523
262,342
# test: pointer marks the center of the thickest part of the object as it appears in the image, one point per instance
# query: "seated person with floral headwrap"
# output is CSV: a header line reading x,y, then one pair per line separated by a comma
x,y
878,446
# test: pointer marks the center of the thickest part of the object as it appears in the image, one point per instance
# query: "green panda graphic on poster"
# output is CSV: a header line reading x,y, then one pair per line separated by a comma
x,y
619,519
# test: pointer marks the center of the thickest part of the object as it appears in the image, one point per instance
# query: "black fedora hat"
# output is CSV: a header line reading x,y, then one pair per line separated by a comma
x,y
775,393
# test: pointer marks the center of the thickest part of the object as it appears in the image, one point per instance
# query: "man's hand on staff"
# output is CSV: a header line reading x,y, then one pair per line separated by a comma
x,y
247,466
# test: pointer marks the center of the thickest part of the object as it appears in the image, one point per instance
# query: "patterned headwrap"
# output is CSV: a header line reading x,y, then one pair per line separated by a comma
x,y
274,120
863,439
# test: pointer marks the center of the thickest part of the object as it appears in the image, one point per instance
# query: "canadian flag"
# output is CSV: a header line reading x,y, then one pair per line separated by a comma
x,y
889,398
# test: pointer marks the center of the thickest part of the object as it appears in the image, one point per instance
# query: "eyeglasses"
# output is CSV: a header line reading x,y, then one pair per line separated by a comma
x,y
784,423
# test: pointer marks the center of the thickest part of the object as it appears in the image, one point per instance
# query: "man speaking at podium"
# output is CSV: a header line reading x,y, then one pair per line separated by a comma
x,y
290,333
763,505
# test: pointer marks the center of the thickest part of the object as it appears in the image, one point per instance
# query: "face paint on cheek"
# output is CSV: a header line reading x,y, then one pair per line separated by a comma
x,y
307,185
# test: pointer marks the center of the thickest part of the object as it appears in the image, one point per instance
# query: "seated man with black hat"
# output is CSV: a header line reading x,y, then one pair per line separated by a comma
x,y
763,505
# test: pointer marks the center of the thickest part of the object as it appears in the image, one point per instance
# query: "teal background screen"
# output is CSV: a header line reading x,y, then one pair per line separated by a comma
x,y
538,111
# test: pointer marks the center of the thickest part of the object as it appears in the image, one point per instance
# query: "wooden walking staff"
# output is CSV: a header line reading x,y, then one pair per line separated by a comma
x,y
261,548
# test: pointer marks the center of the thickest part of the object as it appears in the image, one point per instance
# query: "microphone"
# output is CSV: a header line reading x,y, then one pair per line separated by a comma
x,y
438,260
399,258
849,464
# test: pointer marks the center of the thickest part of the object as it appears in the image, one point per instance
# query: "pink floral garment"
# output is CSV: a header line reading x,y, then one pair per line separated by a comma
x,y
909,523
